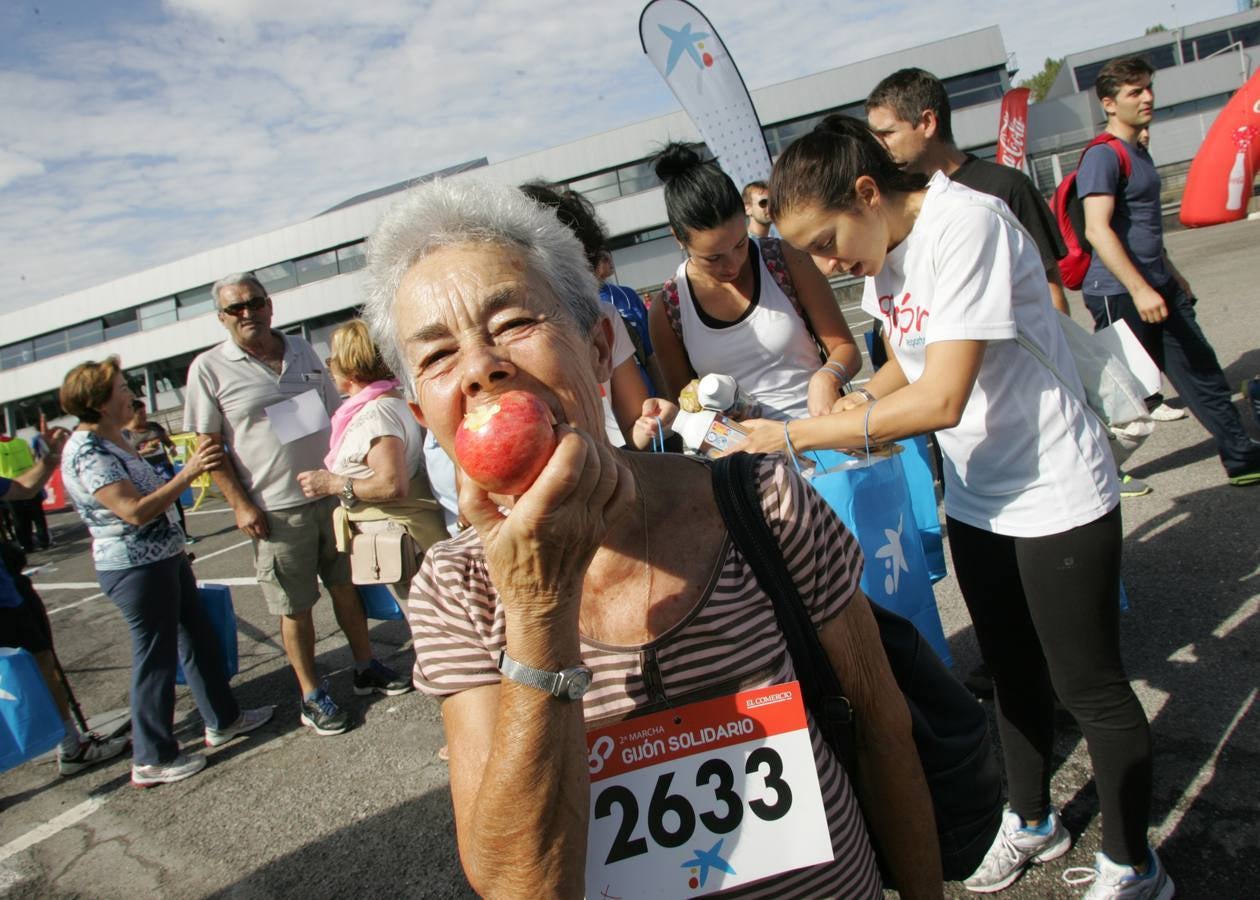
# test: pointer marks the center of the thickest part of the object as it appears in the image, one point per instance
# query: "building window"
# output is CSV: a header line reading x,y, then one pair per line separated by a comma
x,y
598,188
196,302
47,345
974,88
120,324
637,177
1161,57
316,267
351,258
85,334
15,355
277,278
158,313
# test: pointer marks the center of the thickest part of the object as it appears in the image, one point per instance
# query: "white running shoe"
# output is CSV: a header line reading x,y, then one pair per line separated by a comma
x,y
1112,881
183,766
248,720
1166,413
1014,848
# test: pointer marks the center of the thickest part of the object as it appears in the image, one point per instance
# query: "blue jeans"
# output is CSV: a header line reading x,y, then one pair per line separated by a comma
x,y
160,605
1182,352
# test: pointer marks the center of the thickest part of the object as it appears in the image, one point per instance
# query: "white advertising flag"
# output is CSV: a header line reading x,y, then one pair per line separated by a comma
x,y
687,51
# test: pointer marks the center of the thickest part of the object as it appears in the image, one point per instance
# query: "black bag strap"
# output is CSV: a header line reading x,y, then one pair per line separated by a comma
x,y
735,487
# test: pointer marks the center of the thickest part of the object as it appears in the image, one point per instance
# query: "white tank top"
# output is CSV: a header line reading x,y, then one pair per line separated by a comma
x,y
769,351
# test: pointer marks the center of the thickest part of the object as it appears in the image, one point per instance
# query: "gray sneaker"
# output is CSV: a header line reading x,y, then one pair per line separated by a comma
x,y
248,720
1133,487
1014,848
185,765
1112,881
94,749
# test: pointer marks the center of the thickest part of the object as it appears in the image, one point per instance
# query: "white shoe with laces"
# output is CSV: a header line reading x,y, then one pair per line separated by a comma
x,y
1112,881
1015,847
1166,413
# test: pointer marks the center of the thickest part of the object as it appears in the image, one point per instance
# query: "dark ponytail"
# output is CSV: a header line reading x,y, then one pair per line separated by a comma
x,y
575,212
698,194
822,167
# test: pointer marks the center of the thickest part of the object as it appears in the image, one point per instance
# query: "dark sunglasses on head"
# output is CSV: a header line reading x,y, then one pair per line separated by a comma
x,y
236,310
763,202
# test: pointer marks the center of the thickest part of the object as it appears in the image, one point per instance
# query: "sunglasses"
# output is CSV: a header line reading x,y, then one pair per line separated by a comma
x,y
236,310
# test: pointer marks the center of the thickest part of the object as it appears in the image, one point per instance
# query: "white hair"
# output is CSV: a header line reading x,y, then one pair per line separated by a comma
x,y
247,278
443,213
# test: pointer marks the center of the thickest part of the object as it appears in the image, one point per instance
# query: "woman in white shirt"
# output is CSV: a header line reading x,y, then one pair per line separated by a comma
x,y
1032,498
729,308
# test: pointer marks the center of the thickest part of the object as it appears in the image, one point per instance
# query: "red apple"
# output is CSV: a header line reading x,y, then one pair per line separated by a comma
x,y
504,443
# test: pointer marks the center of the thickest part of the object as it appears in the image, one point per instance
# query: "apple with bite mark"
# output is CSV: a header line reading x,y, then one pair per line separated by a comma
x,y
503,443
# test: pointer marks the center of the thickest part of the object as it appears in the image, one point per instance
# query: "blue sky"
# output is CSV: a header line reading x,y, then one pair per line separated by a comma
x,y
135,133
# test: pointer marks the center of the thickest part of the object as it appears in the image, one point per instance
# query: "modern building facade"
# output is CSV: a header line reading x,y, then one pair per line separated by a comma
x,y
157,320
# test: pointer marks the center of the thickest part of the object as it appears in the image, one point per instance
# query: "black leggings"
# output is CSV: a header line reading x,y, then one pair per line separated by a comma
x,y
1046,614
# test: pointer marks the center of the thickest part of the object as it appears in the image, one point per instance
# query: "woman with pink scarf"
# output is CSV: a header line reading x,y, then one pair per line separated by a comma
x,y
375,461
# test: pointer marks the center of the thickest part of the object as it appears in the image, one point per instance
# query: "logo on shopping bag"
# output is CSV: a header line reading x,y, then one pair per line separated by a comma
x,y
5,695
894,557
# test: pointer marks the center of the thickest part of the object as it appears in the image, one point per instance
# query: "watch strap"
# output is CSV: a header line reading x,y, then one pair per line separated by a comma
x,y
548,682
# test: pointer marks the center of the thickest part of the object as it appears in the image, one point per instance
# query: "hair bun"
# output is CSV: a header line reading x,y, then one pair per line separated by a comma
x,y
675,159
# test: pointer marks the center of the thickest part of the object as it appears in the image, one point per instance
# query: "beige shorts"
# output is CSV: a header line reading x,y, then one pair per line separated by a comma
x,y
301,544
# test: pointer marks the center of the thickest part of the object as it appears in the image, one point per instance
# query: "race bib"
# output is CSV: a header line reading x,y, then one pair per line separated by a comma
x,y
705,797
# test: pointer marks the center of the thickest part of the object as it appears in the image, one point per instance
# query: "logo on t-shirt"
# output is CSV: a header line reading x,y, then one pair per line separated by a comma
x,y
904,317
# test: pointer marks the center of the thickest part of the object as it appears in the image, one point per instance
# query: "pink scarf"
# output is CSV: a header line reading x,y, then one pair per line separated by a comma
x,y
346,412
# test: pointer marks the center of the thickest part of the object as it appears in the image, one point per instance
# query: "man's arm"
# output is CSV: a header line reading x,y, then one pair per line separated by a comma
x,y
1099,209
32,481
249,518
891,786
1057,297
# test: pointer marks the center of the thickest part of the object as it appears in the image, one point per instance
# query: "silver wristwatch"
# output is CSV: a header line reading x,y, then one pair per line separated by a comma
x,y
346,493
567,684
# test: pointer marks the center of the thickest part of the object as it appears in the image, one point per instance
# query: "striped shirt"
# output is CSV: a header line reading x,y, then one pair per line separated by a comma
x,y
728,642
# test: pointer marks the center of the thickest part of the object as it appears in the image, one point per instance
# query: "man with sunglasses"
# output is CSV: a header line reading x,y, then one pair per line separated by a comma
x,y
757,208
238,394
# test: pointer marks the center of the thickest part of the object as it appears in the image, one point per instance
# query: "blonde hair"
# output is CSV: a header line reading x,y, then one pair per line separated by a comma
x,y
87,387
355,356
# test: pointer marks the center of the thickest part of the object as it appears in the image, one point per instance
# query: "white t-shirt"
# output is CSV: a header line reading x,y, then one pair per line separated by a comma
x,y
1027,458
382,417
623,349
769,351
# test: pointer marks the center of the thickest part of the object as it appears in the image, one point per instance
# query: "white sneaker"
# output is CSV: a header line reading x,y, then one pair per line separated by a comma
x,y
185,765
248,720
1166,413
1112,881
1014,848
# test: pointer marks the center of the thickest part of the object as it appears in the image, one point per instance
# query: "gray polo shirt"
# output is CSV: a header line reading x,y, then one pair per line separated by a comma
x,y
228,391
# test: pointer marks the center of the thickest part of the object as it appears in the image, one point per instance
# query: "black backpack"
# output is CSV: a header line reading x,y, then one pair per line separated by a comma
x,y
951,729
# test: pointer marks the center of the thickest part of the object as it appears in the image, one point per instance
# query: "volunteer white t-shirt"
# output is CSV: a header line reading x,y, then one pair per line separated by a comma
x,y
1027,458
623,349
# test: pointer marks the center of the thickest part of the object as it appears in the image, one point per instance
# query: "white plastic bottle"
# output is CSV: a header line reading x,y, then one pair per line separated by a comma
x,y
722,394
708,432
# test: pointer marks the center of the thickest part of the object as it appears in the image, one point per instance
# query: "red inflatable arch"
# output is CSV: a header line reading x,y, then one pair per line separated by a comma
x,y
1219,185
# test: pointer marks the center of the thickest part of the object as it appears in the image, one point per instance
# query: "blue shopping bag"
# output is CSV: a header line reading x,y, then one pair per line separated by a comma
x,y
916,461
871,497
216,600
379,601
29,723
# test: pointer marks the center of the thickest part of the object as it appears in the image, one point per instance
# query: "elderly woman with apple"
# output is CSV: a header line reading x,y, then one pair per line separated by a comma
x,y
561,611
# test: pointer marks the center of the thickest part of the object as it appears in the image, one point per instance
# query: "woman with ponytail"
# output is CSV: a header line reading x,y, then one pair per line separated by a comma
x,y
1031,499
756,310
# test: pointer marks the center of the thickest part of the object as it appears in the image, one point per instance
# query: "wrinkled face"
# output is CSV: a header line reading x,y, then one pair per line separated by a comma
x,y
246,325
906,142
721,252
1133,104
474,321
757,207
117,409
840,241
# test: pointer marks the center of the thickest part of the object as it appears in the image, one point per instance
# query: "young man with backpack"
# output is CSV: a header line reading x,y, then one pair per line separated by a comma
x,y
1130,276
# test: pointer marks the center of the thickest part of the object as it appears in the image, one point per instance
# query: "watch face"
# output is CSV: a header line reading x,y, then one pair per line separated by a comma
x,y
578,682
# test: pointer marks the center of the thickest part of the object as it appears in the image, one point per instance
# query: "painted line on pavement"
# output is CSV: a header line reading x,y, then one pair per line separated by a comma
x,y
1204,776
229,582
68,818
97,596
64,585
230,547
208,512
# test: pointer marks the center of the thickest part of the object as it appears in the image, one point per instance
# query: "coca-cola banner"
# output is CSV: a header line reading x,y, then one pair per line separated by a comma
x,y
1220,183
1013,128
687,51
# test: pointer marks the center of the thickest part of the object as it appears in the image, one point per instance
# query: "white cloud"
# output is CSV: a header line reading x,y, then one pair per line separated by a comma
x,y
134,142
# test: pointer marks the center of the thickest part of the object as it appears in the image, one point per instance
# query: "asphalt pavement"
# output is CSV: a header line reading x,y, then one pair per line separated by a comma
x,y
281,812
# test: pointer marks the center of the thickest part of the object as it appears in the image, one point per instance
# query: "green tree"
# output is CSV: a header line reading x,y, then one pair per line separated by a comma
x,y
1040,83
1156,29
